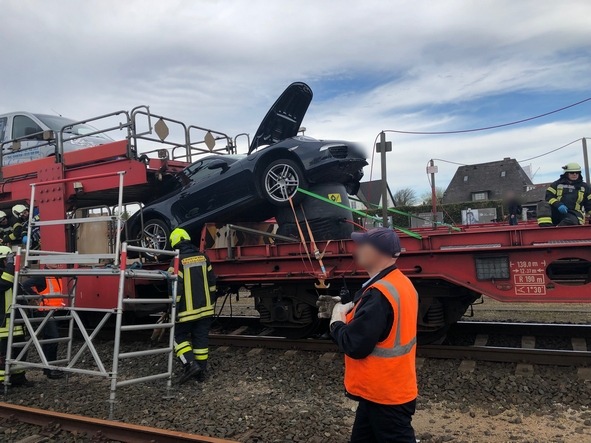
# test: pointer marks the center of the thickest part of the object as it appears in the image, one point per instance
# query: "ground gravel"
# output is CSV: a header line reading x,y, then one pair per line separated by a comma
x,y
272,396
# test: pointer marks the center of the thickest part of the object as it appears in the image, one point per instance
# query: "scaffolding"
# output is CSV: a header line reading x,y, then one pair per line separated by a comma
x,y
68,266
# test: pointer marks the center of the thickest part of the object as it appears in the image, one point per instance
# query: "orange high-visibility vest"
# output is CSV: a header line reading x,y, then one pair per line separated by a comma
x,y
388,375
53,286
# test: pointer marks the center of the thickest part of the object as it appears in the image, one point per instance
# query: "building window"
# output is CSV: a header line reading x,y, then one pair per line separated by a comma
x,y
465,178
479,196
503,173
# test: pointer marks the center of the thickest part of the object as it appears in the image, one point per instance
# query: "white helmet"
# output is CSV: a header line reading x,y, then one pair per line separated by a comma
x,y
17,210
4,251
2,214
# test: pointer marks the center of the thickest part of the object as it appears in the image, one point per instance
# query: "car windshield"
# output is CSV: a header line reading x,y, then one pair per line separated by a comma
x,y
56,123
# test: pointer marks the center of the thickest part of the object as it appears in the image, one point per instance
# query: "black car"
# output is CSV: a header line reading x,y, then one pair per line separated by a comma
x,y
244,188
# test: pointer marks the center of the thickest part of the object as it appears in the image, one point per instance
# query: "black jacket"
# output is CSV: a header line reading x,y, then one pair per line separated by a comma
x,y
575,195
196,290
374,318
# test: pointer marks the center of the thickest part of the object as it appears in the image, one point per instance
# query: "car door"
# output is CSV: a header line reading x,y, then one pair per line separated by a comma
x,y
210,190
28,148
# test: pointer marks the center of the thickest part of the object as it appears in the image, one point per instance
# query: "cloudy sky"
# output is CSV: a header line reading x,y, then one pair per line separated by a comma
x,y
373,65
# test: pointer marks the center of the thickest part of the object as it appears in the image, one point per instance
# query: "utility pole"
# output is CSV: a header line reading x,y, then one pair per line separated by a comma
x,y
432,169
382,148
586,160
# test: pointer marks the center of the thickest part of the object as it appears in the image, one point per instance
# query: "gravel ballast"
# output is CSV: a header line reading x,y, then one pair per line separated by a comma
x,y
272,396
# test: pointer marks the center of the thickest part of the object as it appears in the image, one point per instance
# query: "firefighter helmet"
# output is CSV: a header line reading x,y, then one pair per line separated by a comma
x,y
5,251
177,236
2,215
572,167
17,210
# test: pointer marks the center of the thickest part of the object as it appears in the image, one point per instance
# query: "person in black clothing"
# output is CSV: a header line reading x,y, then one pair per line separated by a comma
x,y
568,199
33,286
19,224
196,294
17,377
377,334
513,208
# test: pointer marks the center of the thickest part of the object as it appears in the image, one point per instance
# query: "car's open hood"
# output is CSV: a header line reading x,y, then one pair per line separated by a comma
x,y
285,116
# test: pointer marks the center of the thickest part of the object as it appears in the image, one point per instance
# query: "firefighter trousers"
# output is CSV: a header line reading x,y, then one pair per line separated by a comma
x,y
191,341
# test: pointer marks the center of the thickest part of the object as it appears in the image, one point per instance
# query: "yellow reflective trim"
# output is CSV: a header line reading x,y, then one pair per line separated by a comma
x,y
201,357
188,291
190,316
580,199
213,288
552,190
559,192
8,277
201,351
207,296
209,268
544,220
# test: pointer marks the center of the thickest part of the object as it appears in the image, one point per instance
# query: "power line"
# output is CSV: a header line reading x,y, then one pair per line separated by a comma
x,y
551,151
519,161
486,128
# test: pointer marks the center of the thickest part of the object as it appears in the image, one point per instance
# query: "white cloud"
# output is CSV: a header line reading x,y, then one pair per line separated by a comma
x,y
221,64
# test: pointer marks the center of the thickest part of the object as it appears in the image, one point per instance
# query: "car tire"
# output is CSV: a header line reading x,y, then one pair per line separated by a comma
x,y
155,235
280,180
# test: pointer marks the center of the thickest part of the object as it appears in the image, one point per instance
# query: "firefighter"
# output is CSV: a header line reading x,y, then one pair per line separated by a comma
x,y
18,225
568,199
17,377
44,286
5,228
196,295
377,333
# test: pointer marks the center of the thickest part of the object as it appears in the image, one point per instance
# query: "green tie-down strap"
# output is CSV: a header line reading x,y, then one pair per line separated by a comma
x,y
358,212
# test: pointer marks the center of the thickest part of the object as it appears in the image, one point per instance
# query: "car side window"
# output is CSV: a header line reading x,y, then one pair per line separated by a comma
x,y
23,126
200,171
3,121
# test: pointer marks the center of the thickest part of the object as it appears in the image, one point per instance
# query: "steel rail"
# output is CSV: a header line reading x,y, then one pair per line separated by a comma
x,y
111,430
535,329
507,355
479,353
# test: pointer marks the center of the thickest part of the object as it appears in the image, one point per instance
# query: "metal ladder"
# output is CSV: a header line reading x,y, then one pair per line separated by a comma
x,y
70,265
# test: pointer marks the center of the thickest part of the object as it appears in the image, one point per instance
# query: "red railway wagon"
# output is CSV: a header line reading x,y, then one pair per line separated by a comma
x,y
450,270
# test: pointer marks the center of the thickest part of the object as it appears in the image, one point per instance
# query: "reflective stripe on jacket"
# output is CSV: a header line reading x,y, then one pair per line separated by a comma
x,y
6,282
388,375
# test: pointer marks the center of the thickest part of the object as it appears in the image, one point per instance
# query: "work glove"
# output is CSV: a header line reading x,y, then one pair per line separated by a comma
x,y
563,209
340,311
326,304
25,238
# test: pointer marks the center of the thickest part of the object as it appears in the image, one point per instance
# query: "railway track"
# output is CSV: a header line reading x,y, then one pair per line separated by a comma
x,y
579,355
102,430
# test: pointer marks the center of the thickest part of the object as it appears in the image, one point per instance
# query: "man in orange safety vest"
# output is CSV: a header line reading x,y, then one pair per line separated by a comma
x,y
47,288
377,333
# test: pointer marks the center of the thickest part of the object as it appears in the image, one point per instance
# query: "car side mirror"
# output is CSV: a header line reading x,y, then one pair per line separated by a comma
x,y
219,164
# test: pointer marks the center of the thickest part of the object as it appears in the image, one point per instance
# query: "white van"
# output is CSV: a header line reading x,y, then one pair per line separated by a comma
x,y
36,136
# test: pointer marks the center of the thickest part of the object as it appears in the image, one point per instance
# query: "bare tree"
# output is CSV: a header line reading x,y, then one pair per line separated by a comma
x,y
405,197
427,198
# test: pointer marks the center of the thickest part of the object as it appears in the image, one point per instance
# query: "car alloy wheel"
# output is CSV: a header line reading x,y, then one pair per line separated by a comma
x,y
281,182
155,236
